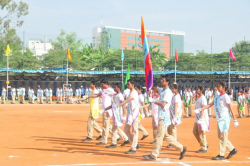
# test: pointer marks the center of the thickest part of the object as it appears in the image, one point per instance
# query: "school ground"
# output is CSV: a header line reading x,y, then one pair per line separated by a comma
x,y
51,134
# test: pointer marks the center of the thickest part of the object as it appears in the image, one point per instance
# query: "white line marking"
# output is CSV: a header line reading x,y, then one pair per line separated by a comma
x,y
248,157
185,163
226,161
12,156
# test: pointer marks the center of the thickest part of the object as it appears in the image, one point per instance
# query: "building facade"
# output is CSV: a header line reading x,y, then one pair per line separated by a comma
x,y
38,47
119,38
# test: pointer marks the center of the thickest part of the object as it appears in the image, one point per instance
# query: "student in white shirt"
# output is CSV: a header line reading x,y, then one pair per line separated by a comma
x,y
142,115
189,107
240,104
222,108
199,129
13,95
186,102
117,118
175,112
3,95
248,102
133,113
164,122
208,95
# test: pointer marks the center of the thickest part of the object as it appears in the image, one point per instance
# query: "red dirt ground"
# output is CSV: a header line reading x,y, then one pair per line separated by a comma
x,y
51,135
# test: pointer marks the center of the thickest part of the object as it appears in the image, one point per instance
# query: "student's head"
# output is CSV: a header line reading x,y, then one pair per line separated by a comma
x,y
104,83
199,90
246,90
138,88
228,92
130,84
175,88
239,93
189,89
156,93
222,87
165,80
185,89
117,87
92,84
215,88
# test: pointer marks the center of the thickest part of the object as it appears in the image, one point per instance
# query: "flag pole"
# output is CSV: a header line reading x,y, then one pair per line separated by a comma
x,y
175,71
229,72
122,77
7,82
67,71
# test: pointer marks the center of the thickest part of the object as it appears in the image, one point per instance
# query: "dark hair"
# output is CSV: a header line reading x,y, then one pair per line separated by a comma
x,y
104,81
176,86
168,78
224,85
139,87
131,81
228,92
93,82
200,87
118,85
246,90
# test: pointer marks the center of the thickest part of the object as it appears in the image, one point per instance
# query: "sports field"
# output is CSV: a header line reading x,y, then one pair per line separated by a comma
x,y
51,134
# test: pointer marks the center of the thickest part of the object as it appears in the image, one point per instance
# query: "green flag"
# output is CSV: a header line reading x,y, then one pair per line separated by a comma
x,y
127,78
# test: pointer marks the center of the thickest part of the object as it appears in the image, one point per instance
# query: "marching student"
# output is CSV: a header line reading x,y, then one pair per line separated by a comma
x,y
78,95
21,95
57,95
93,115
133,113
29,90
117,118
164,121
175,112
186,102
189,106
50,95
248,102
18,93
32,96
202,123
240,104
70,95
60,95
67,91
46,93
13,95
40,95
3,95
222,106
142,115
194,95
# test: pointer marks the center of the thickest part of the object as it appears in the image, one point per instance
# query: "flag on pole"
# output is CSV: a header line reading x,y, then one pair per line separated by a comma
x,y
7,50
68,53
176,56
231,54
122,57
127,77
146,58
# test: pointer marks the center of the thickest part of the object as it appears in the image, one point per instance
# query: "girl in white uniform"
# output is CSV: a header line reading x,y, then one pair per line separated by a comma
x,y
222,107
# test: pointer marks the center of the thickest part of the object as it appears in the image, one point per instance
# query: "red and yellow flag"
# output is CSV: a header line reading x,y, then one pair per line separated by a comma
x,y
68,53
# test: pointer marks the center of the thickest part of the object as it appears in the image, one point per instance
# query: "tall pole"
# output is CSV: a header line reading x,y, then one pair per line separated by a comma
x,y
23,48
175,71
122,76
67,81
7,82
62,58
229,72
211,54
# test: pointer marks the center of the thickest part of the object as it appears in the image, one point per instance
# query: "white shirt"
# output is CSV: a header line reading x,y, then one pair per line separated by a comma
x,y
177,99
126,93
23,91
190,94
248,97
187,96
117,100
217,93
165,96
224,101
134,104
208,94
154,106
13,92
141,99
200,102
193,92
240,99
107,95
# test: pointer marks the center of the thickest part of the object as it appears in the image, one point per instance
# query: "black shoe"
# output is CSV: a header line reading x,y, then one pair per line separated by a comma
x,y
189,115
152,142
130,152
98,138
148,157
210,116
145,136
87,139
169,146
214,116
101,143
219,158
207,146
233,152
126,142
248,116
112,146
118,139
183,153
138,146
201,151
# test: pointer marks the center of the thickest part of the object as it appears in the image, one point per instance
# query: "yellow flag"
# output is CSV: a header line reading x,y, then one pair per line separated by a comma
x,y
7,50
68,53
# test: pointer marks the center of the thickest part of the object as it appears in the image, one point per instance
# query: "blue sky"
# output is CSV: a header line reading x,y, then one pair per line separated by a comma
x,y
227,21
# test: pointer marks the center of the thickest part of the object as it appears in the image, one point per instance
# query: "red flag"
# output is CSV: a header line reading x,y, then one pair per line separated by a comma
x,y
231,54
176,56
